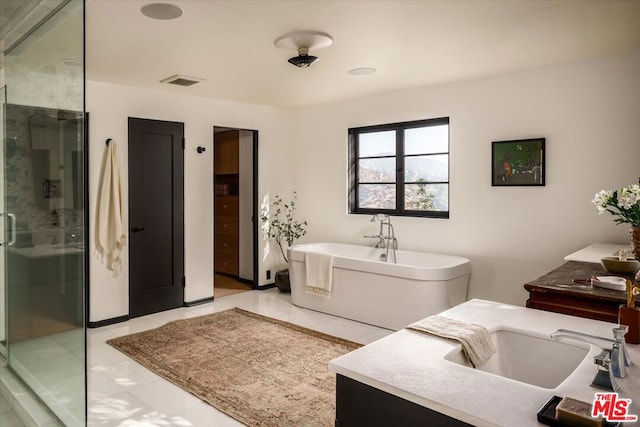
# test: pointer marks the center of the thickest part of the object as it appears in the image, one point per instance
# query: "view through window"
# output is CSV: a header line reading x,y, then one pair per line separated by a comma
x,y
400,168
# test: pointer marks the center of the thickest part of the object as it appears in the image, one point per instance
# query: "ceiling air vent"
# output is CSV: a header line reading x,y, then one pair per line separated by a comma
x,y
179,80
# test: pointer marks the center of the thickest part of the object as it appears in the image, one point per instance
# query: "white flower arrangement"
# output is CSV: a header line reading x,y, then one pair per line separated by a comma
x,y
623,203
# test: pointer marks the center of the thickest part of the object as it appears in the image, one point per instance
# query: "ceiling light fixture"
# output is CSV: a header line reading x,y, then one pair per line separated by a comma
x,y
162,11
302,41
303,59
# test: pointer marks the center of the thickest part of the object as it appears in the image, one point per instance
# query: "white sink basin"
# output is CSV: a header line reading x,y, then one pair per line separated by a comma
x,y
533,360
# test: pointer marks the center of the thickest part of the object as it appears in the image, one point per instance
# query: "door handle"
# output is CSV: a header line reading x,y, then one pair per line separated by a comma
x,y
12,227
136,229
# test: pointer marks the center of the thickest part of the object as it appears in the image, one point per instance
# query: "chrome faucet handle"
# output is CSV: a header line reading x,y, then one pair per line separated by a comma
x,y
618,334
604,376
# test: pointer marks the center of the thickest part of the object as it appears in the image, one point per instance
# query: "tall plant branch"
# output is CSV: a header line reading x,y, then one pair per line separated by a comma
x,y
283,227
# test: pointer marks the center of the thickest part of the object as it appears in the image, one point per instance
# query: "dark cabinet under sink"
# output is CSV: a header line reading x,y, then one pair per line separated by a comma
x,y
358,404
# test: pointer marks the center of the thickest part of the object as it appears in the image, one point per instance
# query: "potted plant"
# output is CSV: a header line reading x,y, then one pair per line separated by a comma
x,y
284,229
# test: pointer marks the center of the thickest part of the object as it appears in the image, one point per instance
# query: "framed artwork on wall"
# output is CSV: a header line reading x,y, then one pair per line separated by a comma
x,y
517,162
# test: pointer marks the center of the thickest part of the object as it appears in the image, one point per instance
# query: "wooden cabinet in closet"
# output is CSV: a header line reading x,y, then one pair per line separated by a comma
x,y
226,206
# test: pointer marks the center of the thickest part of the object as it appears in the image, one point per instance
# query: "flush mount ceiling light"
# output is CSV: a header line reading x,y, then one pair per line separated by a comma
x,y
71,61
161,11
302,42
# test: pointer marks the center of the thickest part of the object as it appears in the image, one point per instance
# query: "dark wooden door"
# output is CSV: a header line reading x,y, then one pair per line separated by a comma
x,y
156,216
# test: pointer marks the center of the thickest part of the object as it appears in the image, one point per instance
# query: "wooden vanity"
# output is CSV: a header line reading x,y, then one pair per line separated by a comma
x,y
556,291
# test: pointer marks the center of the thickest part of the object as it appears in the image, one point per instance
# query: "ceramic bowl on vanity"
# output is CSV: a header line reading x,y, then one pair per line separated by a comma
x,y
614,265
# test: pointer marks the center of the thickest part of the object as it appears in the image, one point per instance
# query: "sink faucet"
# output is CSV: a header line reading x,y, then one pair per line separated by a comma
x,y
611,361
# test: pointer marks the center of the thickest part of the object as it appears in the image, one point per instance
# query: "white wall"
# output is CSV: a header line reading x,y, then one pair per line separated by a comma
x,y
588,113
109,107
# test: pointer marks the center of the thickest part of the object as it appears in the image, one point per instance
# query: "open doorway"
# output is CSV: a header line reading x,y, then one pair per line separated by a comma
x,y
235,211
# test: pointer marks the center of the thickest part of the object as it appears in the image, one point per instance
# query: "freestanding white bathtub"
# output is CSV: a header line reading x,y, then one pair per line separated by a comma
x,y
383,294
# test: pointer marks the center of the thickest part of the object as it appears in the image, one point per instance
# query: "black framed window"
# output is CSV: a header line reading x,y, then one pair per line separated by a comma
x,y
400,169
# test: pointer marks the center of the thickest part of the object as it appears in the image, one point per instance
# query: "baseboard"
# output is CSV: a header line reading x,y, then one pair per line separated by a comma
x,y
267,286
198,302
107,322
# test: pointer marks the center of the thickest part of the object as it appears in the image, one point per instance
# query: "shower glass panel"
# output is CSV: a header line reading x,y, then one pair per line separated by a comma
x,y
43,214
3,288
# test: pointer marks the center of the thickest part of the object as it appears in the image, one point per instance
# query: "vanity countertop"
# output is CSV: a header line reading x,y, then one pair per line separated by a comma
x,y
597,251
411,365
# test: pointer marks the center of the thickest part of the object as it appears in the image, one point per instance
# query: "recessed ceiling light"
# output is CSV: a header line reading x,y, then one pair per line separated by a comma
x,y
361,71
162,11
72,61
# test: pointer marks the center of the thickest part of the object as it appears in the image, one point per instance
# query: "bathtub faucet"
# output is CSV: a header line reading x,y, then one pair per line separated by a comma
x,y
387,241
380,237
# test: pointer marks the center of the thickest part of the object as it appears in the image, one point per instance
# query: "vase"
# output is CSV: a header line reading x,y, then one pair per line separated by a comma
x,y
635,241
282,280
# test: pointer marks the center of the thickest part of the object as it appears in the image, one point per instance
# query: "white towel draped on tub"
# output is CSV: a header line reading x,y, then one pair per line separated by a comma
x,y
110,232
475,339
319,270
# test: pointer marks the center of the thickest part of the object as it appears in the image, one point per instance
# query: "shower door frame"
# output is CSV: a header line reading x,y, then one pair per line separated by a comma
x,y
31,91
4,324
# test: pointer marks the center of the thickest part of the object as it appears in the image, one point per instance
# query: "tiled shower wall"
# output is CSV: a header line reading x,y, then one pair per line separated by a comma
x,y
25,192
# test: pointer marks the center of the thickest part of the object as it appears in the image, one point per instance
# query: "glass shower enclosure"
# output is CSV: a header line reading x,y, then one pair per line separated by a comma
x,y
42,286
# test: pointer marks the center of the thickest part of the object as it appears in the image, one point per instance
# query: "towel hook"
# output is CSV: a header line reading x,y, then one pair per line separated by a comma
x,y
108,141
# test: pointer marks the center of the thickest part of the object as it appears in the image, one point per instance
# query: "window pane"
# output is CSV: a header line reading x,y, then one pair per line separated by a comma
x,y
427,168
430,139
426,197
377,144
377,196
377,170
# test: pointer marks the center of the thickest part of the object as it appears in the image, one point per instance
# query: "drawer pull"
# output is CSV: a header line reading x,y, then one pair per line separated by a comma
x,y
225,206
225,225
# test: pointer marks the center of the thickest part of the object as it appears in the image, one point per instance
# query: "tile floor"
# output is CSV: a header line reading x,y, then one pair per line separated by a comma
x,y
8,417
53,366
123,393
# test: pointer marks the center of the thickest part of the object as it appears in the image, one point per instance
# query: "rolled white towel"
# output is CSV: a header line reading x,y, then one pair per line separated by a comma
x,y
475,339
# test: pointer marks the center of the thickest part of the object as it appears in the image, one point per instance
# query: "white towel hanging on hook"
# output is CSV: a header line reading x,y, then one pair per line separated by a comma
x,y
110,234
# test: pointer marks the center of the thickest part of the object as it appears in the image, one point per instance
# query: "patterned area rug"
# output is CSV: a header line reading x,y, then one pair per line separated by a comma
x,y
258,370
